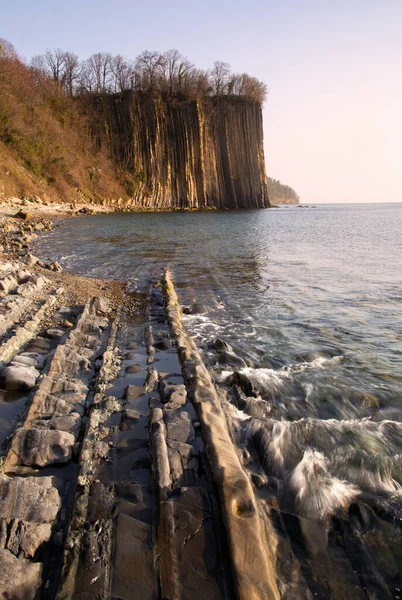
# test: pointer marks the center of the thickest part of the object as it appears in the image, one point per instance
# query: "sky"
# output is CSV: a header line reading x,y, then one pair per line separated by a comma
x,y
333,116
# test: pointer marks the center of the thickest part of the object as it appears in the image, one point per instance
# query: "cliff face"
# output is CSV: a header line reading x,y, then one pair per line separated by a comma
x,y
185,154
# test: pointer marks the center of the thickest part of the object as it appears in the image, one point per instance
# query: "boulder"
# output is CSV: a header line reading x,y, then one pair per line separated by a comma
x,y
244,383
222,346
195,309
231,360
55,266
22,214
18,377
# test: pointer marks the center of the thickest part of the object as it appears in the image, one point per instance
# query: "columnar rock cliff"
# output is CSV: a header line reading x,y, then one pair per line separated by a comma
x,y
185,153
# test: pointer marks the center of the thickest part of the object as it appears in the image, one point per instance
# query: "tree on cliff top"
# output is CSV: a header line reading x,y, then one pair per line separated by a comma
x,y
168,72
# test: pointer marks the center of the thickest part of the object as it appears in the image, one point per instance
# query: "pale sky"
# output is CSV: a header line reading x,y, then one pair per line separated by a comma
x,y
333,118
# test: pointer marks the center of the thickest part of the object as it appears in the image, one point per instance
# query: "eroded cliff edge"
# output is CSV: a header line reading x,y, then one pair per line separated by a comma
x,y
178,154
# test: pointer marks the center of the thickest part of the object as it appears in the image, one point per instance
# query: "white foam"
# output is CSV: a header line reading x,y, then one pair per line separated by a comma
x,y
318,494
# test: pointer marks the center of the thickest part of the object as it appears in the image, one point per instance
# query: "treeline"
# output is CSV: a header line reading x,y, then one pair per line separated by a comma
x,y
276,191
168,72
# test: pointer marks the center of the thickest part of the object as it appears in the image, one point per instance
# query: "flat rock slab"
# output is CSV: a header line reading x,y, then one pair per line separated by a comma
x,y
199,564
133,572
19,578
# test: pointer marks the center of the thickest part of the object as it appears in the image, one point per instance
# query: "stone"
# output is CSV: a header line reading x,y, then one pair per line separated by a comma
x,y
222,346
174,396
101,305
244,383
132,414
134,369
55,333
28,508
46,405
8,283
231,360
197,309
179,427
29,499
35,359
19,578
55,266
66,324
39,281
39,447
17,377
22,214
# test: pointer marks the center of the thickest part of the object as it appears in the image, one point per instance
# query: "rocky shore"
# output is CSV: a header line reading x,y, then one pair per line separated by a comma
x,y
118,474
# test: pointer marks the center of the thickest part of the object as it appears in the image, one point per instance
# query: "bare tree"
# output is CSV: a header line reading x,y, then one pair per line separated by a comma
x,y
149,66
96,73
54,61
220,74
171,67
254,88
7,50
123,73
71,72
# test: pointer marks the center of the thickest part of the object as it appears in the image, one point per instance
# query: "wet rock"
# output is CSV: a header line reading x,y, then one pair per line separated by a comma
x,y
259,480
151,380
39,447
244,383
132,414
18,377
19,578
86,211
231,359
222,346
195,309
134,369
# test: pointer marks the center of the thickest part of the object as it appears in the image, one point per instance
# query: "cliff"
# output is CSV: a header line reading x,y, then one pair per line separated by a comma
x,y
134,149
178,154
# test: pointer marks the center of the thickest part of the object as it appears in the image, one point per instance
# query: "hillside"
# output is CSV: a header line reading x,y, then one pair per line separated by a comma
x,y
280,193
